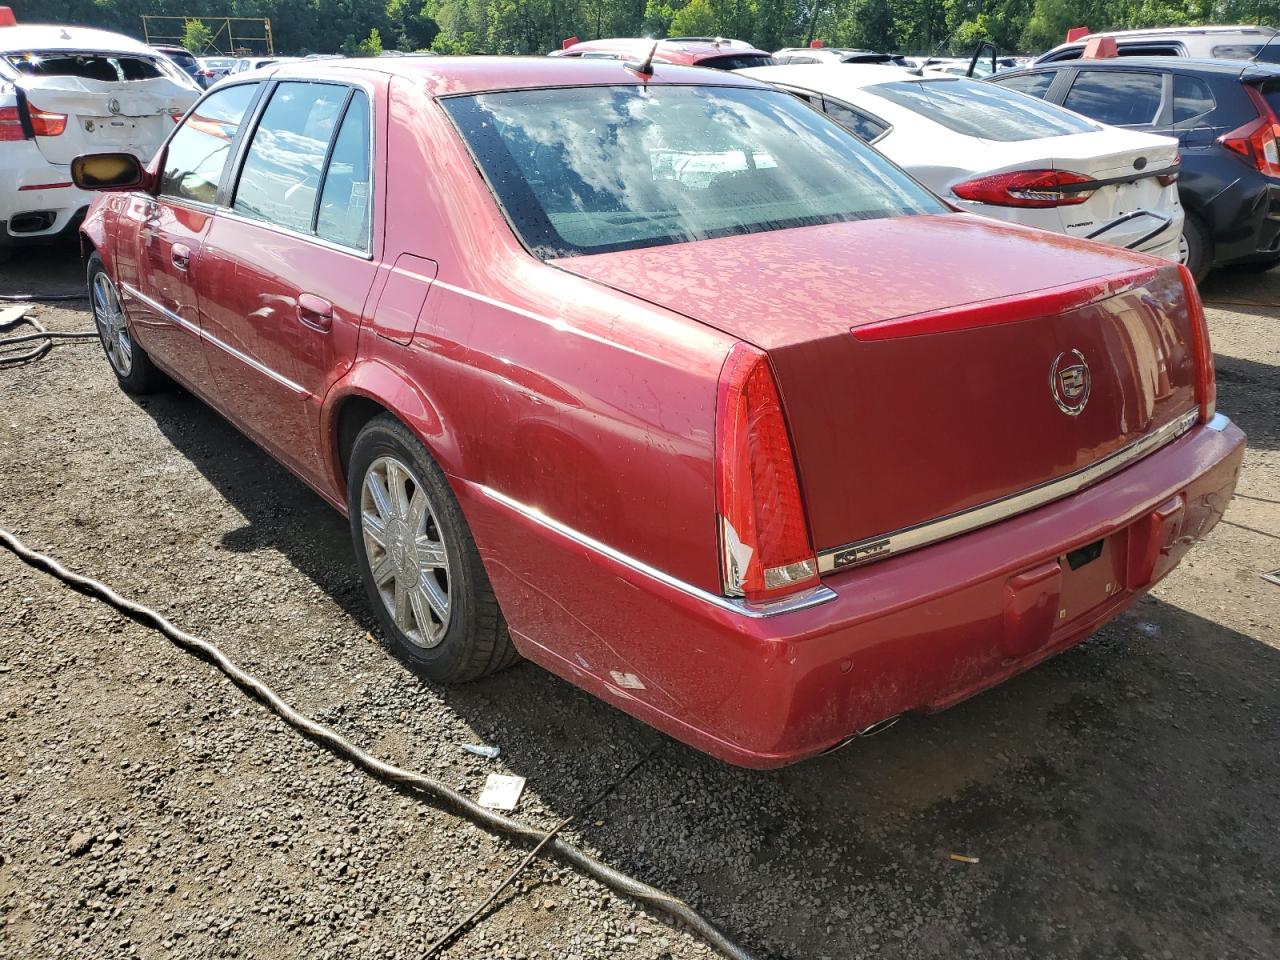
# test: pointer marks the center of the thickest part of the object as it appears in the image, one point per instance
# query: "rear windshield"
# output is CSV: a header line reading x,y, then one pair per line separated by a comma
x,y
88,66
595,169
738,61
1247,51
982,109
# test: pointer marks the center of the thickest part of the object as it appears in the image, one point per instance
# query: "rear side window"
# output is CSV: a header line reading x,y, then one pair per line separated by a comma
x,y
282,167
977,109
344,200
1247,51
1032,84
861,124
87,66
1117,97
1191,98
198,152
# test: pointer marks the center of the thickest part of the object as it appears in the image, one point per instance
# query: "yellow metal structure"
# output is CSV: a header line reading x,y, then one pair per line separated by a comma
x,y
232,36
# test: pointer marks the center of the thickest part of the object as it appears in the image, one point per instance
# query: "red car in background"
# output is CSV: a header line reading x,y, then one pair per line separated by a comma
x,y
668,383
714,52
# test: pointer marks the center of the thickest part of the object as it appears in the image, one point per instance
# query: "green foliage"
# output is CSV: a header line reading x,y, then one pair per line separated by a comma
x,y
197,37
536,26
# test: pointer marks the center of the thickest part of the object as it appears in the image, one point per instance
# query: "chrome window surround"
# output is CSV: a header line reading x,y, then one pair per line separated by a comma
x,y
800,601
195,330
911,538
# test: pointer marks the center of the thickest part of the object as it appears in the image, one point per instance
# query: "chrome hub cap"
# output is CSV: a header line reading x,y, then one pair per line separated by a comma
x,y
111,327
405,549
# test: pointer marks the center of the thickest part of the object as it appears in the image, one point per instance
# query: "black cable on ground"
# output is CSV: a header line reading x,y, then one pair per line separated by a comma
x,y
448,798
43,339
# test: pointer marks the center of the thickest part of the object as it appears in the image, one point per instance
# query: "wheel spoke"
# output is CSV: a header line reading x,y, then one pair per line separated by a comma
x,y
375,529
397,488
421,612
383,570
431,555
378,493
401,610
436,597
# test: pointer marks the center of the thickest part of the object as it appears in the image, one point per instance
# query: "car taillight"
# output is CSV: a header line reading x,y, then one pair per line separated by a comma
x,y
764,537
1170,178
11,124
1026,188
1258,141
45,123
1206,381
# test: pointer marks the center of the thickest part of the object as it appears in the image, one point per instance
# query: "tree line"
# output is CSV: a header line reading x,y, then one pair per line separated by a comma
x,y
537,26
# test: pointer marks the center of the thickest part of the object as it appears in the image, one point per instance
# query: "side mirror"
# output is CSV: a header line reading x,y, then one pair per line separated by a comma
x,y
107,172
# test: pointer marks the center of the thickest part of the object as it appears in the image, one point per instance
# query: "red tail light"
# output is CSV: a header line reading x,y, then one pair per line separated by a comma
x,y
10,124
1206,381
1258,141
44,123
1026,188
764,537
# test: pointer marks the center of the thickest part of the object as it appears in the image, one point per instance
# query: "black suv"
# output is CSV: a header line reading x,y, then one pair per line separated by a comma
x,y
1224,115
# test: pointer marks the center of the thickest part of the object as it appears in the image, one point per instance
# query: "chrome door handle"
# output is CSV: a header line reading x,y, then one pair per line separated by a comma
x,y
180,254
315,312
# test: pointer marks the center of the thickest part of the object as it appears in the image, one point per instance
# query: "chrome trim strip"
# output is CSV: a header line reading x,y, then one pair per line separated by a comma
x,y
1218,423
909,538
801,601
186,324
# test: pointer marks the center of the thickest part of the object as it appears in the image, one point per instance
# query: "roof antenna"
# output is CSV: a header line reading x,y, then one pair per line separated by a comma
x,y
645,67
1257,53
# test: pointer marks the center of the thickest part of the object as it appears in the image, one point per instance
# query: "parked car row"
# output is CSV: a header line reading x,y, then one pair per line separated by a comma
x,y
670,383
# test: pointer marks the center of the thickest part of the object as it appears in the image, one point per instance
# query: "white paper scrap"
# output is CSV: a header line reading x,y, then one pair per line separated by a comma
x,y
501,792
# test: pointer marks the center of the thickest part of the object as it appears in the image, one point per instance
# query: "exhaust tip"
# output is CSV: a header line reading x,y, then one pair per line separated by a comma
x,y
880,726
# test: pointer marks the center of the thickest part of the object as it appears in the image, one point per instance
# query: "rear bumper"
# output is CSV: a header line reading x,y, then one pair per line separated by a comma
x,y
916,632
1245,220
38,204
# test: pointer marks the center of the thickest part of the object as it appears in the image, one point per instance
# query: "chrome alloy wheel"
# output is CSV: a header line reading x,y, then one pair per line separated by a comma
x,y
111,326
405,550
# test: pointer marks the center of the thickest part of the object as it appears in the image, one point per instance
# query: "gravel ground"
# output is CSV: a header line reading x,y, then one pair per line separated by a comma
x,y
1121,799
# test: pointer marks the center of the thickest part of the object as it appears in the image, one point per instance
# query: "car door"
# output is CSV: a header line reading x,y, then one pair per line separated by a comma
x,y
289,264
164,234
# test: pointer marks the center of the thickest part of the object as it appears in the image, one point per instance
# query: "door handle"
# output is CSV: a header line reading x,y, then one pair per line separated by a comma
x,y
180,254
315,312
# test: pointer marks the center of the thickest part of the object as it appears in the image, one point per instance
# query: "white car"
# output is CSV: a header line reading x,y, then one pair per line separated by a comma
x,y
1005,155
65,91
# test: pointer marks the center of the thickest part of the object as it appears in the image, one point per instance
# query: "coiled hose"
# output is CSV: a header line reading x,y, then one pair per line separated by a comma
x,y
445,796
42,338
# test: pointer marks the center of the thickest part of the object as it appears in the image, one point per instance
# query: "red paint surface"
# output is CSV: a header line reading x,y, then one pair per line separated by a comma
x,y
586,390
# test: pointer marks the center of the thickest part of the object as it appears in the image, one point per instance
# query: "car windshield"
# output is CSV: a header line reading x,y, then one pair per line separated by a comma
x,y
594,169
982,110
112,68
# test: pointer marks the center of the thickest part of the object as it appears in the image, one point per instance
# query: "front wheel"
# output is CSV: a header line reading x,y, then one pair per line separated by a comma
x,y
417,559
133,368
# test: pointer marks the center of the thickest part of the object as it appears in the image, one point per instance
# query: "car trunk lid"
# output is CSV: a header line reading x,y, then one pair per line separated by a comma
x,y
103,116
1007,360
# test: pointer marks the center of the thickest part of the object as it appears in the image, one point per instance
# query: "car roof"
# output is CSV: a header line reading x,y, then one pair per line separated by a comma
x,y
690,49
1182,64
845,75
1181,31
49,36
450,75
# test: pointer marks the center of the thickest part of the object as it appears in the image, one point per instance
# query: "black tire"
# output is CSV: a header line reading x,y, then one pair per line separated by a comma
x,y
134,370
1199,246
474,641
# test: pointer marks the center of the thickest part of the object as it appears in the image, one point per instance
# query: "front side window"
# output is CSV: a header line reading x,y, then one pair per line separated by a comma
x,y
280,177
1117,97
977,109
593,169
197,153
1032,84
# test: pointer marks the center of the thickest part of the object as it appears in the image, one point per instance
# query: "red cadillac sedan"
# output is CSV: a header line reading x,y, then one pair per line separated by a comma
x,y
667,383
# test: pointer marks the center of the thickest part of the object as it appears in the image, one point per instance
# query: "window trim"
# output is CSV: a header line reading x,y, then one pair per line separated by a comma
x,y
163,153
226,194
803,93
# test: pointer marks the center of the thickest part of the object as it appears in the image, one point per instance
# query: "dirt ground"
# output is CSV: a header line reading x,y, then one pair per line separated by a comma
x,y
1122,798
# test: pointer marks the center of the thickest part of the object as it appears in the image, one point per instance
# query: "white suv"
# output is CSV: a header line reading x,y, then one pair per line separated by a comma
x,y
65,91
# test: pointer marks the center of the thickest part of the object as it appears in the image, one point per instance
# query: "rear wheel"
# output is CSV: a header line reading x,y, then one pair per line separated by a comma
x,y
1196,247
418,562
133,368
